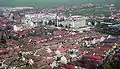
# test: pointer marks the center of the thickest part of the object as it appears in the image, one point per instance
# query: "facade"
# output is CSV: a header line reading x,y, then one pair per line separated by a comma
x,y
75,22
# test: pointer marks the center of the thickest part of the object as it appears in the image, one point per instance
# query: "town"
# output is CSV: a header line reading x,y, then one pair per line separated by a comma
x,y
66,37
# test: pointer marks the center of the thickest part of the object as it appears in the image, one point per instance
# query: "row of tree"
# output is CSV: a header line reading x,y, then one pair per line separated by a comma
x,y
104,28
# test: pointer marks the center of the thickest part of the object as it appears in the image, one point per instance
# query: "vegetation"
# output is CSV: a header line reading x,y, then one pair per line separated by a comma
x,y
53,3
103,28
108,29
91,11
60,25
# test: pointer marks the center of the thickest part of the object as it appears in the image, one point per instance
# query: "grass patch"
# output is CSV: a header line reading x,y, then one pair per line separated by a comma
x,y
91,11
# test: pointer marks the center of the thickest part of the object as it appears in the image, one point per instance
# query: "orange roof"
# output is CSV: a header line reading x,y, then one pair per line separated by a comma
x,y
68,66
62,49
93,57
17,49
20,25
37,38
12,42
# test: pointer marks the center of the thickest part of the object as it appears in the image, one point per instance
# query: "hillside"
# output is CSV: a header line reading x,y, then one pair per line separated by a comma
x,y
50,3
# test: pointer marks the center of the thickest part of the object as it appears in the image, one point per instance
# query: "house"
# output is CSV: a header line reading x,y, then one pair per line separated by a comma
x,y
18,27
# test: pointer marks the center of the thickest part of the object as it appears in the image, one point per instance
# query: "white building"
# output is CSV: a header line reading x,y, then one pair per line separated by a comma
x,y
18,27
77,22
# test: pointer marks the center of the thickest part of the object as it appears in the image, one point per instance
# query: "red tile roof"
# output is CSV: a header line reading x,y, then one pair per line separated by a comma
x,y
37,38
61,49
12,42
17,49
20,25
93,57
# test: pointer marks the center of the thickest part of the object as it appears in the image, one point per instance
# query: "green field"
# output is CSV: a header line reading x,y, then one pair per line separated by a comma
x,y
91,11
50,3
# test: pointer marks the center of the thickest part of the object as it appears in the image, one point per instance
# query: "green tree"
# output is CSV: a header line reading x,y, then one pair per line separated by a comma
x,y
60,25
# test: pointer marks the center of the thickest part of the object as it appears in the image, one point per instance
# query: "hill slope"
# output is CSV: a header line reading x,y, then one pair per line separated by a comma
x,y
50,3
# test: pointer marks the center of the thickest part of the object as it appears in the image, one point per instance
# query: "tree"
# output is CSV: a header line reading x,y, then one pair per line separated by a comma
x,y
3,40
60,25
66,26
50,22
92,22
